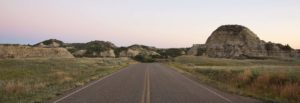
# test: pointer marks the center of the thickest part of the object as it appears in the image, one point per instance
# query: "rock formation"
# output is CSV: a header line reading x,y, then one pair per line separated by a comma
x,y
79,53
197,49
108,53
298,53
20,51
276,49
227,41
231,41
236,41
51,43
135,50
92,49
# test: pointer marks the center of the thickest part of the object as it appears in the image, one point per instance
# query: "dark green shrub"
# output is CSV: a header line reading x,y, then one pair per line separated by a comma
x,y
143,58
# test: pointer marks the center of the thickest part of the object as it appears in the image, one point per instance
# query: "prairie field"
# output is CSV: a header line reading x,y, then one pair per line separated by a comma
x,y
271,80
38,80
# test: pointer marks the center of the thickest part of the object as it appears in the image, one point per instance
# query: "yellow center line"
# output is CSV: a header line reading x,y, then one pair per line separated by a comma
x,y
146,90
148,87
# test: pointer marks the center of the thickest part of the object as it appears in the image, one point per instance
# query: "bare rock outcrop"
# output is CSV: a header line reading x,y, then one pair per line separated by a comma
x,y
20,51
51,43
135,50
108,53
298,53
279,50
236,41
129,53
197,49
231,41
92,49
79,53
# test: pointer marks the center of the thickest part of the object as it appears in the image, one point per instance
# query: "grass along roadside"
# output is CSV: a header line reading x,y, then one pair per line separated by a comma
x,y
269,80
38,80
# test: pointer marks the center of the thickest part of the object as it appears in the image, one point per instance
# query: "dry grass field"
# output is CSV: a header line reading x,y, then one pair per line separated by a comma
x,y
272,80
38,80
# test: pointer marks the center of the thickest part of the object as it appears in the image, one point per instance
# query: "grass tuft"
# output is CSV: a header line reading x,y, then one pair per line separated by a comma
x,y
14,87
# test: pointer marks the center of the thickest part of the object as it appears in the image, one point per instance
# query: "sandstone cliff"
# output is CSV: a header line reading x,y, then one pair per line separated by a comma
x,y
236,41
19,51
231,41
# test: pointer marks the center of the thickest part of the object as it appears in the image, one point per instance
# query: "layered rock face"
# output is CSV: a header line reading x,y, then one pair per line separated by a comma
x,y
197,49
231,41
279,50
19,51
236,41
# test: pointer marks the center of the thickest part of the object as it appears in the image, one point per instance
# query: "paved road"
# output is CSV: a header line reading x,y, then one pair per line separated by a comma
x,y
149,83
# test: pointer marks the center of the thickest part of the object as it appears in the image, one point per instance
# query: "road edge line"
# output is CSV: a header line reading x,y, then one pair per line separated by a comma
x,y
88,85
199,85
219,95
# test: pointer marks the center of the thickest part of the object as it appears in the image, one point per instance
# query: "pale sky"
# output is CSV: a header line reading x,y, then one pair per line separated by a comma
x,y
160,23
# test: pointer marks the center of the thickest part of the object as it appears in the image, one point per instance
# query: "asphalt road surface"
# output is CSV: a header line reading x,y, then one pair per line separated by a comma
x,y
149,83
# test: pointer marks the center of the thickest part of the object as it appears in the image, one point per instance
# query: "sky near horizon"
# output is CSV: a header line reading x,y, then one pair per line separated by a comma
x,y
160,23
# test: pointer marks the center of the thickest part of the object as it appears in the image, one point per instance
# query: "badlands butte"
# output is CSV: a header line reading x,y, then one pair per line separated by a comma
x,y
227,41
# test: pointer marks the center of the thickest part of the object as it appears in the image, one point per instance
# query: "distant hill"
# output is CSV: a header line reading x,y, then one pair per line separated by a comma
x,y
51,43
22,51
135,50
92,49
227,41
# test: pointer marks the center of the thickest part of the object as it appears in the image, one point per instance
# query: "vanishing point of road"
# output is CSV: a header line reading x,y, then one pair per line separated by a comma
x,y
149,83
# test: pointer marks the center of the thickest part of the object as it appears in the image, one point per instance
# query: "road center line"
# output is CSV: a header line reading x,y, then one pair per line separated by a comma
x,y
146,90
148,87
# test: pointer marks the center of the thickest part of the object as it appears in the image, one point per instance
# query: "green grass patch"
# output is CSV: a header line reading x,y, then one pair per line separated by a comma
x,y
38,80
